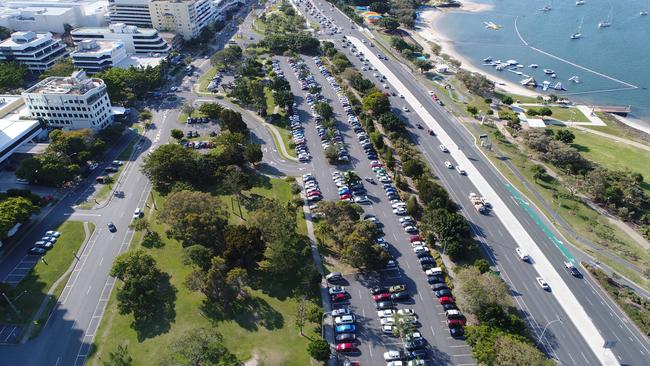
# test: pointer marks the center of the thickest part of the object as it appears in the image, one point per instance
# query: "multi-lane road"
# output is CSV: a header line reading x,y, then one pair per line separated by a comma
x,y
561,339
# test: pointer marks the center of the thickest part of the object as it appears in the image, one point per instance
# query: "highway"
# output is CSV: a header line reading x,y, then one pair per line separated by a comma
x,y
562,339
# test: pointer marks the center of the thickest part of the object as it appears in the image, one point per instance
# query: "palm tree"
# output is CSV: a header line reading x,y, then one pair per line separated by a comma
x,y
351,177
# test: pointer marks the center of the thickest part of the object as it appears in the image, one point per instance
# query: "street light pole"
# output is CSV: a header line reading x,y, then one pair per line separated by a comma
x,y
546,327
11,304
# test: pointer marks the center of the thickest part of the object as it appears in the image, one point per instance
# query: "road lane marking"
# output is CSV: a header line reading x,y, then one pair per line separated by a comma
x,y
432,332
88,291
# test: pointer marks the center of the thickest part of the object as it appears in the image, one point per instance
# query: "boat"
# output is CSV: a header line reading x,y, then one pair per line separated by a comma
x,y
487,59
575,79
501,67
558,86
578,34
643,12
533,66
549,71
553,76
492,25
512,62
520,66
545,85
528,82
607,22
546,8
580,2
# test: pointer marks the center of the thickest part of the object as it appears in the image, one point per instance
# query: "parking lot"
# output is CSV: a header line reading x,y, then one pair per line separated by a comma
x,y
21,270
432,322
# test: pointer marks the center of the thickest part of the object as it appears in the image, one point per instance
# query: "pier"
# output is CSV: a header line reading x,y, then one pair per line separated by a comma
x,y
618,110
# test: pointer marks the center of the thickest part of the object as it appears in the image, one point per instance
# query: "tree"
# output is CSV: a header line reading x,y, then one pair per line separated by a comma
x,y
4,33
413,207
235,181
332,154
351,178
376,102
301,315
319,349
177,134
433,195
314,313
143,292
12,75
539,172
475,289
253,153
211,110
200,346
507,100
472,110
244,247
195,218
565,136
232,121
475,82
14,210
545,111
62,68
324,110
188,109
482,265
199,256
413,168
361,252
125,85
140,224
169,164
49,169
119,357
380,7
423,65
403,328
227,57
497,316
283,98
391,123
389,24
512,351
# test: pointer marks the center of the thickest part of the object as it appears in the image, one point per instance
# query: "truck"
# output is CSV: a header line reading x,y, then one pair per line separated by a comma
x,y
479,203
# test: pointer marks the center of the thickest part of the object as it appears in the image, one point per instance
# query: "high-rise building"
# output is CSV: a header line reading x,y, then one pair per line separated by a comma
x,y
135,40
185,17
95,56
52,15
70,103
38,51
130,12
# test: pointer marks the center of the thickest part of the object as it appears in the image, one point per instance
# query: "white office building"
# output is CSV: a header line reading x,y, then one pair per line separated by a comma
x,y
130,12
136,40
70,103
38,51
17,128
95,56
185,17
51,15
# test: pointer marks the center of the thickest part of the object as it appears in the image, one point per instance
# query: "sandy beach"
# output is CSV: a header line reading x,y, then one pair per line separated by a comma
x,y
427,30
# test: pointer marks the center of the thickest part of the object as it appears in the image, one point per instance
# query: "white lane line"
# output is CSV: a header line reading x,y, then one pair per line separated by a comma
x,y
432,332
88,291
420,295
101,261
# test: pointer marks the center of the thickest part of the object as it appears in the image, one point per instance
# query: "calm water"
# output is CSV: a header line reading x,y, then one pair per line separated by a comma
x,y
621,51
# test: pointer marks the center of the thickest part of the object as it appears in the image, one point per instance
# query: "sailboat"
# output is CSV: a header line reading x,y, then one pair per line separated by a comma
x,y
607,22
578,34
546,8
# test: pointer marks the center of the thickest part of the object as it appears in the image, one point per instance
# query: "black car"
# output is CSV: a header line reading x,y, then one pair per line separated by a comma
x,y
443,292
435,279
427,260
415,344
425,254
345,337
378,290
111,227
383,305
426,266
36,251
400,296
111,169
456,332
438,286
418,354
448,306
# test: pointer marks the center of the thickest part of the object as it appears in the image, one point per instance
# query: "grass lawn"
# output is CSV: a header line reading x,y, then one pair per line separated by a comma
x,y
182,117
582,219
564,114
613,155
42,276
266,330
206,78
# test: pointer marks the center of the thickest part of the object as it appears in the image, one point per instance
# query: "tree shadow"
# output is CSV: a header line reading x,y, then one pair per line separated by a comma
x,y
581,148
249,313
159,320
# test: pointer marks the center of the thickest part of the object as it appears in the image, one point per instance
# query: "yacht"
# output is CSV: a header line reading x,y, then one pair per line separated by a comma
x,y
578,34
549,71
533,66
512,62
558,86
546,9
607,22
553,75
580,2
520,66
643,12
487,59
545,85
575,79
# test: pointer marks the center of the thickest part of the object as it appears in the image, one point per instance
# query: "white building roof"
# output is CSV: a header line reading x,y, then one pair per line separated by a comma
x,y
536,122
12,126
138,61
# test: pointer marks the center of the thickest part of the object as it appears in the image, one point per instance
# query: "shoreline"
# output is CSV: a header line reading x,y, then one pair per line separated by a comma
x,y
426,28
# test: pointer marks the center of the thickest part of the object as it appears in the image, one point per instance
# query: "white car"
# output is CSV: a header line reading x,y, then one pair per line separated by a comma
x,y
431,92
409,312
414,335
444,148
400,211
386,313
53,233
387,321
405,109
521,254
419,249
395,363
410,229
405,218
393,355
460,170
336,290
341,311
401,96
543,283
345,319
449,165
416,363
397,203
362,199
388,329
138,213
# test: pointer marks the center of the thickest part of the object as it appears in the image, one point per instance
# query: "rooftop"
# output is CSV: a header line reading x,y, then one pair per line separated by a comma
x,y
12,109
96,46
18,39
117,28
78,84
139,61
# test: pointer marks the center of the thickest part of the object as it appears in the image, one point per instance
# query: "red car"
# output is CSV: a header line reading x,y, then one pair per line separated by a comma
x,y
346,347
455,322
339,297
381,297
446,300
434,97
314,193
414,238
345,196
